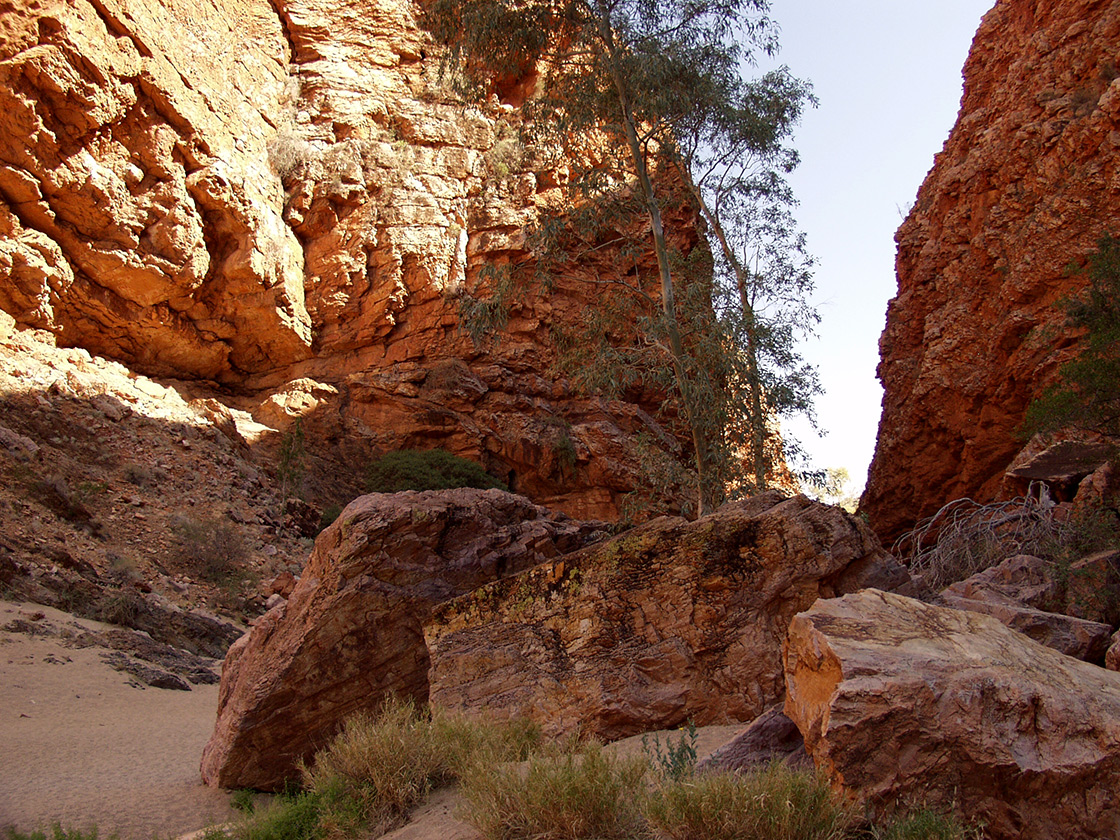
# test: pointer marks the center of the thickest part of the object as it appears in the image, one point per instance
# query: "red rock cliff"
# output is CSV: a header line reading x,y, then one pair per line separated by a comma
x,y
1027,183
280,197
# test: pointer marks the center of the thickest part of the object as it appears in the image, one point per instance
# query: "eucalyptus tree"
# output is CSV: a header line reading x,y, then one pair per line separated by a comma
x,y
733,152
640,76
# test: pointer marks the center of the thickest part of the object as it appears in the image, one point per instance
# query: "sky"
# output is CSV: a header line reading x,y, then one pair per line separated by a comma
x,y
888,77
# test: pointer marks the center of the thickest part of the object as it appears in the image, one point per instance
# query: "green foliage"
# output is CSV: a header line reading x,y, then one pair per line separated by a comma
x,y
674,761
291,816
243,800
631,88
833,488
565,797
426,469
330,514
775,803
1087,394
292,464
484,313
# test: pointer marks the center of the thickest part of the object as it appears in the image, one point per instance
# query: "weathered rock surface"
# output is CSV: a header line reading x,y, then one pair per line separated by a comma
x,y
350,633
1021,592
285,199
1028,181
673,620
900,702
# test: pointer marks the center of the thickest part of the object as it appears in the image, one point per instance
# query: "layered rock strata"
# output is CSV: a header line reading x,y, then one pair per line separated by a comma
x,y
351,632
668,622
284,198
1027,594
1027,183
901,702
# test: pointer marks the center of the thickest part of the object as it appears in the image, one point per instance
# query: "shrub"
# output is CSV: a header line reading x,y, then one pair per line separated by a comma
x,y
382,765
292,816
120,606
567,797
211,548
965,537
776,804
430,469
678,760
1086,395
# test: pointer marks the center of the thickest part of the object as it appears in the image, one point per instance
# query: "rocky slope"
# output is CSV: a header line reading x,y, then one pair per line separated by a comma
x,y
1027,183
283,198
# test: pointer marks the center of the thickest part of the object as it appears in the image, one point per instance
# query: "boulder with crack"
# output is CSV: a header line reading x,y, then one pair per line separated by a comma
x,y
670,621
350,634
903,703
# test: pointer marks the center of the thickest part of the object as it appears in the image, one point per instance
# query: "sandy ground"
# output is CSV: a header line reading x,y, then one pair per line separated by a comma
x,y
81,746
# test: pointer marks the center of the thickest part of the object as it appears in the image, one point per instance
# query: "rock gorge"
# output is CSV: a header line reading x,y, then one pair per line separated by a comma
x,y
282,200
1026,185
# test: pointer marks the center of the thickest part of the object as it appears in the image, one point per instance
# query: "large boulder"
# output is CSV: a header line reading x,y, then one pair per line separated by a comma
x,y
901,702
351,631
1028,594
670,621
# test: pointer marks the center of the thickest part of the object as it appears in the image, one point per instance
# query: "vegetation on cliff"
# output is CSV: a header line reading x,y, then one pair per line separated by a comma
x,y
1086,395
651,98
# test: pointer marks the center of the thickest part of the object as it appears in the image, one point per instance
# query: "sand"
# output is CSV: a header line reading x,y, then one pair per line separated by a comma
x,y
81,746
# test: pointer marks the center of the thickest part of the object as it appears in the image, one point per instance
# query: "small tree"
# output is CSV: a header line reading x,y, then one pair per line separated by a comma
x,y
631,73
1087,393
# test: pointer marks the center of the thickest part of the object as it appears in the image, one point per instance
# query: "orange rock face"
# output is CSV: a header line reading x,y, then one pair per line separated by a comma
x,y
1027,183
285,199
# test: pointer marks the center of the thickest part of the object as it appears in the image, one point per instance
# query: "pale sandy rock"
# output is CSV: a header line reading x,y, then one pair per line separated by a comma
x,y
1027,183
350,632
1033,596
1112,658
900,701
671,621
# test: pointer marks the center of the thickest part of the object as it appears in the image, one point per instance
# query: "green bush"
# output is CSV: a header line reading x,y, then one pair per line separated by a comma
x,y
427,469
1086,395
57,832
926,824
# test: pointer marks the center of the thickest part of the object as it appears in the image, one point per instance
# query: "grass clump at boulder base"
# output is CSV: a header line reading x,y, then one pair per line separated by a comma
x,y
426,469
515,786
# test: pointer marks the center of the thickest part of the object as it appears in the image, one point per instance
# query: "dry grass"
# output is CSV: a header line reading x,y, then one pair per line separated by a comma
x,y
384,764
565,797
772,804
966,537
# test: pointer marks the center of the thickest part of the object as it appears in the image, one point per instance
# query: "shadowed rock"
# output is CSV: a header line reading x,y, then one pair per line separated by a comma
x,y
671,621
351,632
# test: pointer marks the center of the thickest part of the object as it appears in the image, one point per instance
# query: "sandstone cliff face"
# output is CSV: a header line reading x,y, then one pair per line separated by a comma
x,y
281,198
1027,183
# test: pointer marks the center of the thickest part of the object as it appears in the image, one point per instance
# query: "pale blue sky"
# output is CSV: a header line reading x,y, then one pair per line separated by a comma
x,y
888,77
